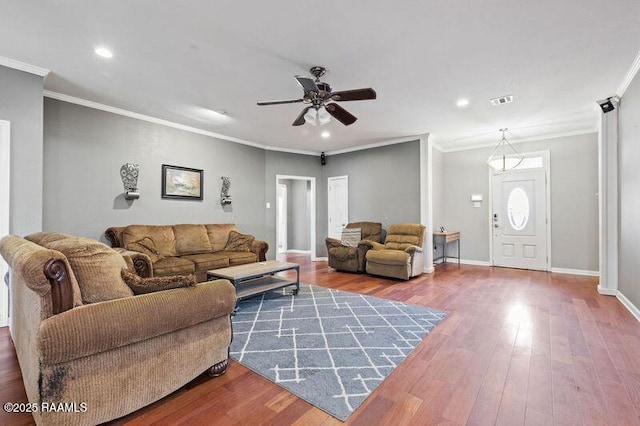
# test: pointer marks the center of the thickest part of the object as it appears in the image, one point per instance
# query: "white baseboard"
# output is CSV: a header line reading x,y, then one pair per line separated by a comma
x,y
575,272
320,259
607,291
627,304
292,251
469,262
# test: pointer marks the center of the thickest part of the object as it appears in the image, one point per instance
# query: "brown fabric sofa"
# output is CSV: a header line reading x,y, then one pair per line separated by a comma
x,y
184,249
401,256
118,354
352,259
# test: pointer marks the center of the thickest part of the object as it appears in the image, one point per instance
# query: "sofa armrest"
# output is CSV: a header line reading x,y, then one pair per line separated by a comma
x,y
99,327
332,242
141,262
114,235
372,245
260,248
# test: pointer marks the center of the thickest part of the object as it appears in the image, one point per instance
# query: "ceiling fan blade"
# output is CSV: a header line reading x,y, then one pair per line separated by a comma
x,y
293,101
341,114
300,120
354,95
307,84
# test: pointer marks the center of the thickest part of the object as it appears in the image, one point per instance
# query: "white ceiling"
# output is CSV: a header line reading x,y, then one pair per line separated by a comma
x,y
176,60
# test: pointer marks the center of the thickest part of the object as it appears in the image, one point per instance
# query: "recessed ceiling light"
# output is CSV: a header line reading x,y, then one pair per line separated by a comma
x,y
325,134
104,52
462,103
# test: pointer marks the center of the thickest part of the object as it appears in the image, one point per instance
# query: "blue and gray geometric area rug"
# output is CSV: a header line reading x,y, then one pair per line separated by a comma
x,y
331,348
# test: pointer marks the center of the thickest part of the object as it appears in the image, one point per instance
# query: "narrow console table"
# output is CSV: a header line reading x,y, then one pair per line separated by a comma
x,y
443,239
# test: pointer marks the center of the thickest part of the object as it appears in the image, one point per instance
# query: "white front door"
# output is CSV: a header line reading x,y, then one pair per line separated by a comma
x,y
519,219
338,204
282,219
4,215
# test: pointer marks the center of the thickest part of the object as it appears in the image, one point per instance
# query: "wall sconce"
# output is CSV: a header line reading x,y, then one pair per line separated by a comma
x,y
476,199
129,175
225,198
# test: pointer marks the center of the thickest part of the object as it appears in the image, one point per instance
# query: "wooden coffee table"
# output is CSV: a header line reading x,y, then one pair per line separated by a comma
x,y
256,278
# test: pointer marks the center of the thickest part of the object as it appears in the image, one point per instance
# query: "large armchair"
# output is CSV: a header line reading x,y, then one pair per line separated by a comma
x,y
82,337
352,258
401,256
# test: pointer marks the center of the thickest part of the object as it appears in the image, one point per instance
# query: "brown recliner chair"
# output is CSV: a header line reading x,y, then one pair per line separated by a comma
x,y
352,259
401,255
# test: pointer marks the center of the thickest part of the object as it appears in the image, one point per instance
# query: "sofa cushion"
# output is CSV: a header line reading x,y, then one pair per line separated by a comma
x,y
173,266
388,257
239,257
191,239
162,236
239,242
207,261
146,246
141,285
219,234
96,268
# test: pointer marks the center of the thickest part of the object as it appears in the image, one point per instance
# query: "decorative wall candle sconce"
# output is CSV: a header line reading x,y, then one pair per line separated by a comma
x,y
225,198
129,175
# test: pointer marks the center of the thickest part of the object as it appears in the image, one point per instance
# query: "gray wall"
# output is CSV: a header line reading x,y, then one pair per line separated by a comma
x,y
21,104
384,183
83,193
574,204
629,172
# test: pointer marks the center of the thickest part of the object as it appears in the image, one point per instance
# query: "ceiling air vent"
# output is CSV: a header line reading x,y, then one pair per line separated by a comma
x,y
502,100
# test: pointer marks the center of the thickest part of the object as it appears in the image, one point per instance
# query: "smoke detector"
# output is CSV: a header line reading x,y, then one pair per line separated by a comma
x,y
502,100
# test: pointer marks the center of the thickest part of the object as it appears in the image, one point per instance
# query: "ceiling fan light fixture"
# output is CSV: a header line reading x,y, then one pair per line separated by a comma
x,y
323,116
504,156
311,117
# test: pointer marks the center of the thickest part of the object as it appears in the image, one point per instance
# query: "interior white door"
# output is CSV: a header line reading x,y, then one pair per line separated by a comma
x,y
4,214
338,204
519,219
282,219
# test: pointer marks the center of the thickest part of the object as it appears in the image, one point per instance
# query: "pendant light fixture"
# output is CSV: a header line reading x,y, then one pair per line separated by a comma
x,y
505,156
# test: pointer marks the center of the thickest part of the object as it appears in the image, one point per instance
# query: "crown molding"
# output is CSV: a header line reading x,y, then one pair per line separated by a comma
x,y
529,139
22,66
374,145
628,78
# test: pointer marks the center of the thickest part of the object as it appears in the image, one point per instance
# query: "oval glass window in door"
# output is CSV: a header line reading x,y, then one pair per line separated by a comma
x,y
518,209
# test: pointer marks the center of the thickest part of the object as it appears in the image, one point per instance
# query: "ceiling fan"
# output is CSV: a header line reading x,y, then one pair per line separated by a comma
x,y
322,100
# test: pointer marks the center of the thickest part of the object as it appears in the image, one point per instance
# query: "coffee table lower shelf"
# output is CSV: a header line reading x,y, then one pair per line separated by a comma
x,y
257,286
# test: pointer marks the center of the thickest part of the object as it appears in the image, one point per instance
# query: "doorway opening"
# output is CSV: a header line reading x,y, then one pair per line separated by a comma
x,y
296,215
5,161
520,219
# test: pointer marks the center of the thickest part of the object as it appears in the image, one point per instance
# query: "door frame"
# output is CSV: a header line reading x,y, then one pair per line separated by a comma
x,y
546,158
346,177
312,216
5,199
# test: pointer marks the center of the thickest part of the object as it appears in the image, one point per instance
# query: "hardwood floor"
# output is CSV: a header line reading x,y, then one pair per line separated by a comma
x,y
518,347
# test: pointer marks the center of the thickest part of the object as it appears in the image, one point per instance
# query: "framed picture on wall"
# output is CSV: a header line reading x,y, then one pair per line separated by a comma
x,y
182,182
